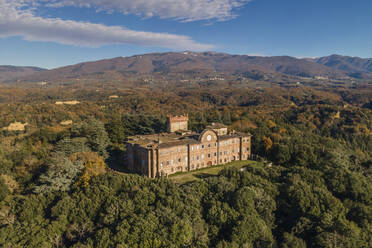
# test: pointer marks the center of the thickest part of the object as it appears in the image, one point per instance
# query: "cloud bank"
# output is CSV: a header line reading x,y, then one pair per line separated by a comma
x,y
17,19
183,10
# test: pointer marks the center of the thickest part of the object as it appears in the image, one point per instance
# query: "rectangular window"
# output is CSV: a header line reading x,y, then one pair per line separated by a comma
x,y
161,164
202,146
179,160
171,162
186,159
197,147
192,148
209,145
215,154
202,156
178,149
209,155
197,157
167,162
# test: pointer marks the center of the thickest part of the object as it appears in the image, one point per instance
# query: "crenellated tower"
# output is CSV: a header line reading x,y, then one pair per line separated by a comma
x,y
176,123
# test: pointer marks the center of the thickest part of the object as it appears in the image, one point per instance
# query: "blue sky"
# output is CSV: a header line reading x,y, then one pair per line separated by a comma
x,y
53,33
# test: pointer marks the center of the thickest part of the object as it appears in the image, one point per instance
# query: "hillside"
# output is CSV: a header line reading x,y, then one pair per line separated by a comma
x,y
191,63
64,174
8,72
357,67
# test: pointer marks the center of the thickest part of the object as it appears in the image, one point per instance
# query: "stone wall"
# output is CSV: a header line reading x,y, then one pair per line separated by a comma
x,y
176,123
208,151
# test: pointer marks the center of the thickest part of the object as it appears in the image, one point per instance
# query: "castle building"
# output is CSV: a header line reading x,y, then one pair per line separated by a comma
x,y
183,150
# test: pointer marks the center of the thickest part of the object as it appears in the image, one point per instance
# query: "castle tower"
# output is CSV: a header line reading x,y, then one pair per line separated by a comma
x,y
176,123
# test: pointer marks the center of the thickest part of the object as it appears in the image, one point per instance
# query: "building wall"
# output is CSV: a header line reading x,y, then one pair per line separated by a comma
x,y
173,159
246,147
199,155
207,152
229,150
130,157
221,131
177,123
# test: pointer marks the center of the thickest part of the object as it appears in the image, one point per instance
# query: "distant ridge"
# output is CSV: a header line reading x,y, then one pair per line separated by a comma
x,y
204,63
9,72
356,66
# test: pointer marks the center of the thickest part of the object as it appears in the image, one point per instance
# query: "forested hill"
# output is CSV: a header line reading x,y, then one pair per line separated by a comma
x,y
357,67
63,181
346,63
8,72
191,63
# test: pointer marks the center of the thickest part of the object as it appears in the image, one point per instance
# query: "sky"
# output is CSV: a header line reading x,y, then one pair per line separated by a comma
x,y
54,33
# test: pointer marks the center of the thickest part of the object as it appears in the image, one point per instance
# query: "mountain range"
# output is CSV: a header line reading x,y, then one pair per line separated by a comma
x,y
334,66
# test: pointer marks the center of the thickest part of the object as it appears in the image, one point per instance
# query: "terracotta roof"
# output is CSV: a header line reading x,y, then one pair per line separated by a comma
x,y
165,140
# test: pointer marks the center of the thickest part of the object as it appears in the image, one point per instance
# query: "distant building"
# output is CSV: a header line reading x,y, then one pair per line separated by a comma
x,y
183,150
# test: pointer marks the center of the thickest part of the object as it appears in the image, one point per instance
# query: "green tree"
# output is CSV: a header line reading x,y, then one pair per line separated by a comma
x,y
95,133
60,175
4,191
291,241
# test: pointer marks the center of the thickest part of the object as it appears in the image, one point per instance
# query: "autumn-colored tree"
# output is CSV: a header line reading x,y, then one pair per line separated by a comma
x,y
271,124
93,166
267,143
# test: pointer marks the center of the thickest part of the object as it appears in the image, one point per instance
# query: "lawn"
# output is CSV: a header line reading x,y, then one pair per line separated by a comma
x,y
185,177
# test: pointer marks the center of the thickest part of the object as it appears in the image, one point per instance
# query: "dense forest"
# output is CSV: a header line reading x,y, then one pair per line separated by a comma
x,y
63,181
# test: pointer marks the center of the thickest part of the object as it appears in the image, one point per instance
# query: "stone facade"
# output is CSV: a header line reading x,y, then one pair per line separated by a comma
x,y
176,123
181,150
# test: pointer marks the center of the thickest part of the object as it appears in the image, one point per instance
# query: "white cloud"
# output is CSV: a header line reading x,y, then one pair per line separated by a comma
x,y
183,10
17,19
